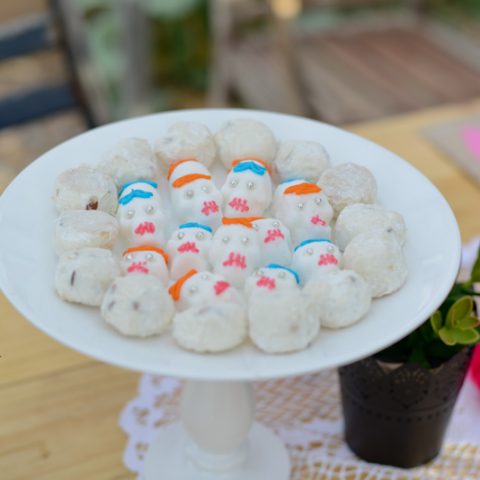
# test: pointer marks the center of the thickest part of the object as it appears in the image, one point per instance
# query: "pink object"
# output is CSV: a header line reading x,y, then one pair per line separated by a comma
x,y
316,220
475,366
327,259
239,204
220,287
471,138
138,267
266,282
272,235
235,260
145,227
188,247
209,207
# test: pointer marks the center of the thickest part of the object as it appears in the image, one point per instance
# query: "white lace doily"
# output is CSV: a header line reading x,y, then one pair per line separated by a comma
x,y
306,413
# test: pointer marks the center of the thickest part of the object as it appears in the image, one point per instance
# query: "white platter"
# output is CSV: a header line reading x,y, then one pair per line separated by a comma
x,y
27,260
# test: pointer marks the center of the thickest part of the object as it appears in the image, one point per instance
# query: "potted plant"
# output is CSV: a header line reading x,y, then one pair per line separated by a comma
x,y
397,403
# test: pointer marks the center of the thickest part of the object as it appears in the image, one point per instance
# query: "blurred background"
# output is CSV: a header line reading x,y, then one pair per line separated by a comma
x,y
69,65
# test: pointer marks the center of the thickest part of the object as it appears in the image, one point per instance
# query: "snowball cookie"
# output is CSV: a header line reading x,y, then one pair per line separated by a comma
x,y
315,256
186,140
343,297
346,184
300,159
199,288
211,328
83,276
146,260
283,322
76,229
274,240
85,188
245,138
378,257
270,279
130,159
138,305
361,217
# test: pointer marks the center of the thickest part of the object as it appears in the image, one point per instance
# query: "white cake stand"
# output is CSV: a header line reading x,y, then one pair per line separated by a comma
x,y
217,438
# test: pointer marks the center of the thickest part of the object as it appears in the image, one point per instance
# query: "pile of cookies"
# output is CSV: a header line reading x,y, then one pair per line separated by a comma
x,y
280,244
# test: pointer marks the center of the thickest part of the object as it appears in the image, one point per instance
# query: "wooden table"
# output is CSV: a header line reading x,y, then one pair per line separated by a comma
x,y
59,409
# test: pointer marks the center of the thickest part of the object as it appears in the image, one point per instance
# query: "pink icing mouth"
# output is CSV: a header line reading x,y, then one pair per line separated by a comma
x,y
188,247
138,267
235,260
327,259
210,207
239,204
145,227
266,282
220,287
272,235
316,220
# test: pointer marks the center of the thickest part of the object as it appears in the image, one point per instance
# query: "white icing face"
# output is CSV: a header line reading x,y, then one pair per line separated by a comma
x,y
315,256
188,249
148,262
235,253
206,288
307,215
140,217
268,280
246,193
274,240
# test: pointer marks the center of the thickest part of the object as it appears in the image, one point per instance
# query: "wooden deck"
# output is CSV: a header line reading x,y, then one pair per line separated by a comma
x,y
359,76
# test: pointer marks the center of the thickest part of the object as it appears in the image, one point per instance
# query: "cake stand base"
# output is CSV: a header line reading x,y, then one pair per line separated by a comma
x,y
167,459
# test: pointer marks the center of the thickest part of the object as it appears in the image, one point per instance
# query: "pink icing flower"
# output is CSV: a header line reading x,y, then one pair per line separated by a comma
x,y
220,287
273,234
327,259
239,204
266,282
209,207
235,260
188,247
145,227
138,267
316,220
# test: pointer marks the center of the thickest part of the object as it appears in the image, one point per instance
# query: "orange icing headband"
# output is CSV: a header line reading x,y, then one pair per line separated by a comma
x,y
254,159
176,289
174,165
191,177
302,189
245,221
147,248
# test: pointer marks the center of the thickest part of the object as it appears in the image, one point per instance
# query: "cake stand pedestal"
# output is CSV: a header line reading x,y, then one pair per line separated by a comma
x,y
217,438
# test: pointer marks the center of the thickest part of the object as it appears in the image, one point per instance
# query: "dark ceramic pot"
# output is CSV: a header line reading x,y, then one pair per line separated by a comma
x,y
397,414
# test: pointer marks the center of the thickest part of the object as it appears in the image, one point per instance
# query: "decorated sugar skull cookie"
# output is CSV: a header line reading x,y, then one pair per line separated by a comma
x,y
202,288
235,252
304,209
195,198
317,255
272,278
140,217
274,240
188,248
146,259
247,190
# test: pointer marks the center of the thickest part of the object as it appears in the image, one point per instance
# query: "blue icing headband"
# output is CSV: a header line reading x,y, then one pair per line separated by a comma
x,y
314,240
293,179
293,272
196,225
134,194
126,185
250,165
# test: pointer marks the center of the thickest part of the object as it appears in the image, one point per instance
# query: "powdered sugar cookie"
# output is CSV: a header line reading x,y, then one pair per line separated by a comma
x,y
245,138
186,140
361,217
138,305
85,188
75,229
346,184
343,297
271,279
83,276
317,255
300,159
188,249
274,240
129,160
283,322
214,327
378,257
147,260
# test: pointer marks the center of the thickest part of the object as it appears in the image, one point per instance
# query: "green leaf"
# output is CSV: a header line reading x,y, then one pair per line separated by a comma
x,y
475,275
447,336
466,337
460,309
418,356
468,322
436,321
